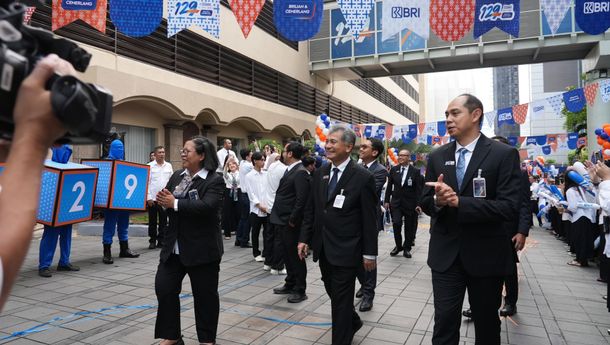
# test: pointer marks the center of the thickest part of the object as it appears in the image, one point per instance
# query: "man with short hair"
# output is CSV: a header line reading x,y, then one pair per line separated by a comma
x,y
341,227
370,150
275,261
309,163
259,213
287,214
160,172
472,189
223,155
402,198
243,227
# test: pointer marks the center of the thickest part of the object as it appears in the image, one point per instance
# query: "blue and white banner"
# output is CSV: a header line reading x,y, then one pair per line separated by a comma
x,y
136,18
442,128
298,20
604,89
503,15
505,117
574,100
546,150
356,14
79,5
555,11
572,140
593,16
405,14
202,13
512,141
413,131
537,108
556,103
431,128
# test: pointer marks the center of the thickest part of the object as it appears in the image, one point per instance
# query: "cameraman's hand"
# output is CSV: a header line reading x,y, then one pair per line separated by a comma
x,y
33,115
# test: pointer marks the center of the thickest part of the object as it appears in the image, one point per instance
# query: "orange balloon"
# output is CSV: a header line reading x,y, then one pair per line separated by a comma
x,y
322,137
607,129
318,131
600,141
606,145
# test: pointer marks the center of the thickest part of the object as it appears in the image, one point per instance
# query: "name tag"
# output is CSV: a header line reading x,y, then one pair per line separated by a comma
x,y
409,182
339,200
450,163
193,195
479,186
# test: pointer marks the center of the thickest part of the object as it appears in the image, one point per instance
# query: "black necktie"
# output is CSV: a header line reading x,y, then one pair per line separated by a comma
x,y
333,182
285,173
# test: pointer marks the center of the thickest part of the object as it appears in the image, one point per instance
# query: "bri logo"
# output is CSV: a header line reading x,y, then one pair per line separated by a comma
x,y
406,12
596,7
538,108
505,117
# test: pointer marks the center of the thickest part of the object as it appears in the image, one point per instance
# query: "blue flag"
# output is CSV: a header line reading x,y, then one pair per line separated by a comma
x,y
298,20
512,141
546,150
503,15
574,100
572,140
593,16
505,117
136,18
441,128
412,131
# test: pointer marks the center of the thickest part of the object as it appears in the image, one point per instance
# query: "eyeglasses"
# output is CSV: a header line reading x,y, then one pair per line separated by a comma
x,y
185,151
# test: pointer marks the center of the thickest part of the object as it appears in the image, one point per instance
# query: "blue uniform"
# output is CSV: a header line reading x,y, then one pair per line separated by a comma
x,y
116,219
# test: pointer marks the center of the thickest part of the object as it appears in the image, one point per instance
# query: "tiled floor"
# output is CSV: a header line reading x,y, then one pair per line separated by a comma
x,y
115,304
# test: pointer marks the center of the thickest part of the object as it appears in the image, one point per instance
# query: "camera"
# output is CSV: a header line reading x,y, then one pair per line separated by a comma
x,y
84,109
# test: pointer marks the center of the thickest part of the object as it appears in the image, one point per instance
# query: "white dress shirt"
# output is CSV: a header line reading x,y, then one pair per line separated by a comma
x,y
201,173
222,155
159,176
469,150
604,201
405,172
574,196
256,191
274,175
244,168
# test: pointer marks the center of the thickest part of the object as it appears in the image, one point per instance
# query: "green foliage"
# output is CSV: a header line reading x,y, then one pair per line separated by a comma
x,y
551,161
578,155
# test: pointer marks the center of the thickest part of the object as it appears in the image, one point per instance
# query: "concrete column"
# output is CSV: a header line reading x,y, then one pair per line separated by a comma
x,y
210,133
173,144
597,114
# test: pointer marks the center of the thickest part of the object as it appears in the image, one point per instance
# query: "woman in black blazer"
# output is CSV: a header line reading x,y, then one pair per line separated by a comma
x,y
193,244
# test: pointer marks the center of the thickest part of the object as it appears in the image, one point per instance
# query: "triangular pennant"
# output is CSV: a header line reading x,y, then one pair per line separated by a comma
x,y
521,139
356,14
574,100
298,20
136,18
592,16
431,128
604,88
450,20
95,17
246,12
555,11
405,14
591,93
551,138
421,128
202,13
27,16
388,131
520,113
556,103
503,15
490,117
441,128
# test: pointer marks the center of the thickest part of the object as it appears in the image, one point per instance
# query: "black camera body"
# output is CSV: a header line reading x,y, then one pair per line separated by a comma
x,y
84,109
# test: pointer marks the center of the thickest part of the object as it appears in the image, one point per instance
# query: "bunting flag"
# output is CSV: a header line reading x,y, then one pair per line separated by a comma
x,y
556,103
27,15
546,150
356,14
593,16
505,117
202,13
136,18
422,139
591,93
520,113
490,117
538,108
437,140
531,141
94,15
574,100
298,20
503,15
540,140
551,138
555,11
431,128
604,87
572,140
421,128
412,131
405,14
521,140
441,128
358,130
450,20
512,141
246,12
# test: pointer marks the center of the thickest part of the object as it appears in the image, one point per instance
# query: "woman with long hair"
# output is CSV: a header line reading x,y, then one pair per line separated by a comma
x,y
581,228
230,207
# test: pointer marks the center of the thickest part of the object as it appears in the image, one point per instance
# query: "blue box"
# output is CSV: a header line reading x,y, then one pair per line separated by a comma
x,y
66,194
121,185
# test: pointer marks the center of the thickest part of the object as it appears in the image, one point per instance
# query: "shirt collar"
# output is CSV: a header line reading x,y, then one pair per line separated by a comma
x,y
341,166
293,165
470,147
201,173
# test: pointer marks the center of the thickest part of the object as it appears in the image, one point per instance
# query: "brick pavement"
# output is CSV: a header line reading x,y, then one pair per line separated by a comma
x,y
115,304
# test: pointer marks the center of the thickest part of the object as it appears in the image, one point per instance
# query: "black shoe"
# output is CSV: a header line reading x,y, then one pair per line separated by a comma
x,y
359,293
407,254
107,255
366,304
126,252
68,267
395,251
152,245
467,313
160,244
297,298
247,245
508,310
180,341
284,290
237,243
45,272
356,327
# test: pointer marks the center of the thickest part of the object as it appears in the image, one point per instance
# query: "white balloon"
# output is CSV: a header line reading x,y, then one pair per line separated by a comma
x,y
321,126
607,152
325,131
580,168
318,141
319,122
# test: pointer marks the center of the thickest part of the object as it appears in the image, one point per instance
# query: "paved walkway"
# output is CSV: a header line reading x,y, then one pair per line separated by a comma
x,y
115,304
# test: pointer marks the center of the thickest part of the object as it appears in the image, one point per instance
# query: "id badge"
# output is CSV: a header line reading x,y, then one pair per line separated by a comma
x,y
339,200
479,186
193,195
409,182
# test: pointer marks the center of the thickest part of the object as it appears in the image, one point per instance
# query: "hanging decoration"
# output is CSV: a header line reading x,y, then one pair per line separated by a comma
x,y
202,13
136,18
591,93
503,15
505,117
450,20
556,103
322,128
603,137
246,12
593,16
490,117
298,20
520,113
441,128
555,11
405,14
94,14
604,89
574,100
27,15
356,14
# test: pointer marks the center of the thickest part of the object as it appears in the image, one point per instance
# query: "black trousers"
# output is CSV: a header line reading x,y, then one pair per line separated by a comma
x,y
511,283
204,283
276,261
485,296
230,212
256,223
156,212
368,282
339,284
295,267
243,228
401,216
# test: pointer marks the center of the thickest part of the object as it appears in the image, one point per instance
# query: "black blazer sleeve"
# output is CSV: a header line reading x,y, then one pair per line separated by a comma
x,y
427,197
369,203
307,228
208,203
302,188
525,215
380,175
388,190
419,186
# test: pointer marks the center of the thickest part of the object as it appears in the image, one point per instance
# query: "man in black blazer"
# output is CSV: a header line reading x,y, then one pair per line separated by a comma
x,y
341,227
472,189
287,214
370,150
402,197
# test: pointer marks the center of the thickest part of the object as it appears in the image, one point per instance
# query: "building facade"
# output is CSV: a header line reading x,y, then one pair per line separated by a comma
x,y
506,94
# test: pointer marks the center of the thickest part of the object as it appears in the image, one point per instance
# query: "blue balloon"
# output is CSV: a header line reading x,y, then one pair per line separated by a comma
x,y
324,117
598,131
605,136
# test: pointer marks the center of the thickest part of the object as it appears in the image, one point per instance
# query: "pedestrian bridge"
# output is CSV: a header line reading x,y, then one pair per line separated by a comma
x,y
335,55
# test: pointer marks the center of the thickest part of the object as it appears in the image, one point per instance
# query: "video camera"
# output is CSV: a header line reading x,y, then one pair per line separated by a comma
x,y
84,109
